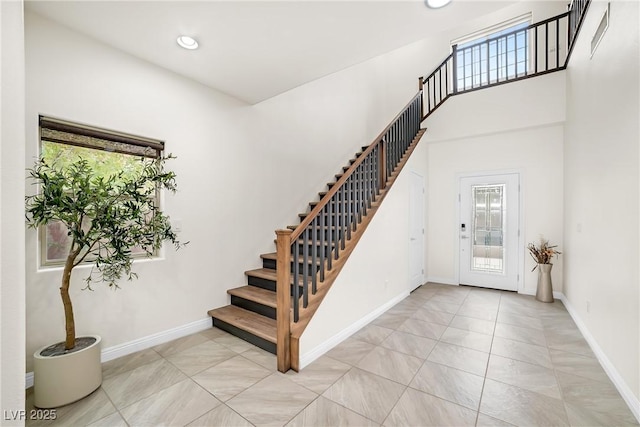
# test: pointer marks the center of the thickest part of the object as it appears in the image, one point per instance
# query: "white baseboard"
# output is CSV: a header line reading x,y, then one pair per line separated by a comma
x,y
29,380
629,397
443,281
145,342
321,349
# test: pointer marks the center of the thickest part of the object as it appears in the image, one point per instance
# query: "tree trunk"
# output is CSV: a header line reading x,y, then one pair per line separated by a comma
x,y
70,325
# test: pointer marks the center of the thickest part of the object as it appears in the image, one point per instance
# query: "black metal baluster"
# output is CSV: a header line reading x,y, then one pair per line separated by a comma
x,y
506,57
428,97
526,52
392,147
546,46
343,226
454,72
497,61
333,233
464,69
536,50
314,254
488,76
377,170
358,199
515,45
446,79
473,71
391,150
337,225
296,272
356,195
305,268
558,44
370,178
323,241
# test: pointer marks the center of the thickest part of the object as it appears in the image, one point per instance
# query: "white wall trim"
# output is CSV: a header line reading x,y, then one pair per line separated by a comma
x,y
321,349
143,343
632,401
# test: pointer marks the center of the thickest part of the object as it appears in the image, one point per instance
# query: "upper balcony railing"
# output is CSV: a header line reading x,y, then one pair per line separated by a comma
x,y
540,48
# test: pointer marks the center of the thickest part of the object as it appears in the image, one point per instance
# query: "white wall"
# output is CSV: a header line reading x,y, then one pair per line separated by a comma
x,y
376,273
601,176
512,127
12,256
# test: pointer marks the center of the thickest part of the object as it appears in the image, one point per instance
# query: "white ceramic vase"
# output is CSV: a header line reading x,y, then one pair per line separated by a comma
x,y
544,292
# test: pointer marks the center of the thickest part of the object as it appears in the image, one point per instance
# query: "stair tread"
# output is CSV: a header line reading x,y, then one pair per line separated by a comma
x,y
256,324
255,294
263,273
267,273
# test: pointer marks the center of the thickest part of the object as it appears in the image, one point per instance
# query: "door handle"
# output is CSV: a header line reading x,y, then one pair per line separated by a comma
x,y
413,238
464,237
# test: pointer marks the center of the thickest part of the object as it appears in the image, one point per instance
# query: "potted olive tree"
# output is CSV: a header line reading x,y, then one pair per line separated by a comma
x,y
109,219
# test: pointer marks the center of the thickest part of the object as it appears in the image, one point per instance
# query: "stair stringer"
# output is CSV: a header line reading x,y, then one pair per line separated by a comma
x,y
315,300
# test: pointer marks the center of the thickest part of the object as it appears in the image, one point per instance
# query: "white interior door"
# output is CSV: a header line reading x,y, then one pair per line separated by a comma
x,y
416,230
489,231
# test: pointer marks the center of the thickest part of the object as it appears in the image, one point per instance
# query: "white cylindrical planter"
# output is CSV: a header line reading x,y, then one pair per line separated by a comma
x,y
63,379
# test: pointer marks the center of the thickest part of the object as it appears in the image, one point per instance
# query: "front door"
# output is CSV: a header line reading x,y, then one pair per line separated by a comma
x,y
489,231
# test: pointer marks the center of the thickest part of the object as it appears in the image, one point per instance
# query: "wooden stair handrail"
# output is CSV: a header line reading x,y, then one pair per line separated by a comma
x,y
336,187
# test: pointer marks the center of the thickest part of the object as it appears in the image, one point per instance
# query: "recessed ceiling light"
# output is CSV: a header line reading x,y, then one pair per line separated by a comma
x,y
187,42
435,4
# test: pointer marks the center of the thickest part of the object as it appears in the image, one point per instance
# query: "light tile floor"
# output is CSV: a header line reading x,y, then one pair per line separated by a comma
x,y
445,355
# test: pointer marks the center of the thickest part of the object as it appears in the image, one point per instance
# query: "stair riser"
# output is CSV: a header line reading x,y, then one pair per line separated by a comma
x,y
253,306
247,336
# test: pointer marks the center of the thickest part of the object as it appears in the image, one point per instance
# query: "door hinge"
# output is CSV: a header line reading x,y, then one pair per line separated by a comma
x,y
422,271
518,233
518,277
459,198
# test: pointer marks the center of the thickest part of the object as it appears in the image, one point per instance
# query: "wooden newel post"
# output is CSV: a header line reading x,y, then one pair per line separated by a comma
x,y
283,298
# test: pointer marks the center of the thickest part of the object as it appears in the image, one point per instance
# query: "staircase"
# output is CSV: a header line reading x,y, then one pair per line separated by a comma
x,y
274,308
252,312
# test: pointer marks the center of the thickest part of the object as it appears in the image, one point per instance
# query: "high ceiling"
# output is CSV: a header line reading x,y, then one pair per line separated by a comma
x,y
254,50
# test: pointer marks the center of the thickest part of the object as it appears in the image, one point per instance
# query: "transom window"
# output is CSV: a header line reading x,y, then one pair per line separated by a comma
x,y
492,55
